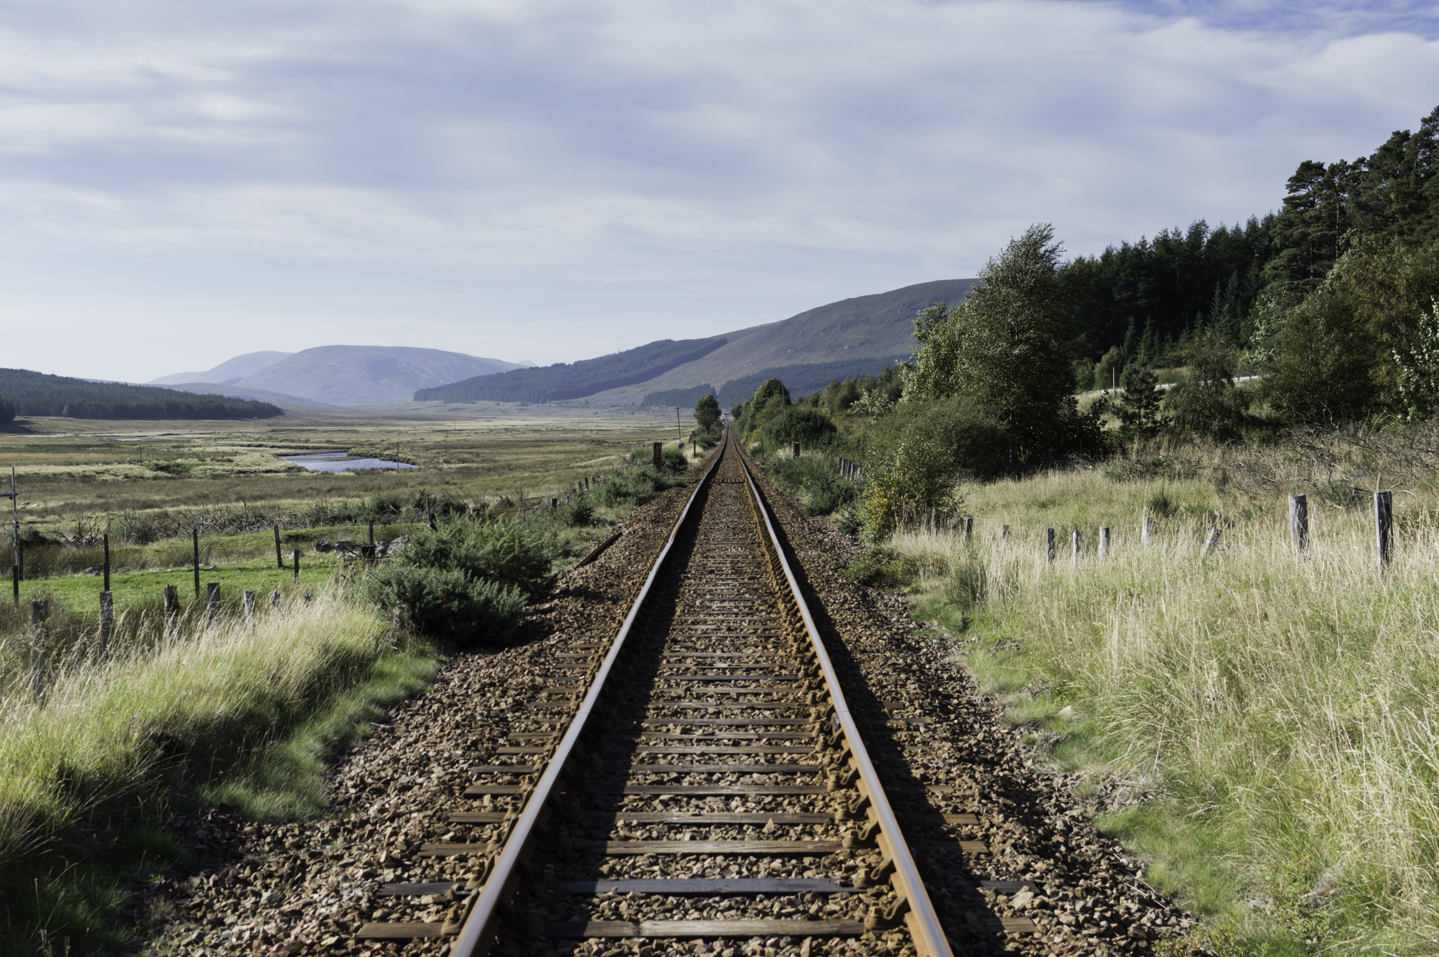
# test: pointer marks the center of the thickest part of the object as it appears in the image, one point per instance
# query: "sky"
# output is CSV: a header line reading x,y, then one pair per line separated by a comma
x,y
551,180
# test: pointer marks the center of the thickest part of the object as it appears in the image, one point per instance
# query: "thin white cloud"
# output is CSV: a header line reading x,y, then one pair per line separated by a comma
x,y
558,178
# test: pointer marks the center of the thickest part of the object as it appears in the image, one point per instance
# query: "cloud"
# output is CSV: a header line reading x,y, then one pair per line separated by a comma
x,y
639,162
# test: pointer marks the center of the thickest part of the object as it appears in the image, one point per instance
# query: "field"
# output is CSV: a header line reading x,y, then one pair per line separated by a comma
x,y
170,716
1257,724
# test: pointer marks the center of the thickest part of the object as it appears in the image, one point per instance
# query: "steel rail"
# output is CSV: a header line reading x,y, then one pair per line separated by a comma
x,y
923,921
478,931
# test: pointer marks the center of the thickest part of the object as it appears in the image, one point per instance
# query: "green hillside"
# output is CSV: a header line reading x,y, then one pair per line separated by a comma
x,y
35,393
576,380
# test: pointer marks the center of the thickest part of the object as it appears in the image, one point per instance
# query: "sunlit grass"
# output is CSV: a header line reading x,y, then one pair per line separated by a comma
x,y
1284,706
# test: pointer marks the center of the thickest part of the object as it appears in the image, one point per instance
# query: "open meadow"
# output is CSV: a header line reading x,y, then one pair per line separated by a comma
x,y
105,737
1257,723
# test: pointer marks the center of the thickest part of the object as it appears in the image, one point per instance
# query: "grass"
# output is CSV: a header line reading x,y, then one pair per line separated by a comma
x,y
247,715
1260,726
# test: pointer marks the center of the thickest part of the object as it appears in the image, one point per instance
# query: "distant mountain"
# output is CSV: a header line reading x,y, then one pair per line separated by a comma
x,y
227,372
341,375
36,393
575,380
240,392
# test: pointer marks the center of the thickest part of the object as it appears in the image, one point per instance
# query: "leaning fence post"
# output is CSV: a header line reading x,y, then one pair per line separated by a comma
x,y
1103,541
249,608
196,533
39,611
212,601
1384,526
1076,548
1049,551
107,620
1146,536
279,556
1299,521
172,608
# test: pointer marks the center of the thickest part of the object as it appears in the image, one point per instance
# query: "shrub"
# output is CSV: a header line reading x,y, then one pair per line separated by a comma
x,y
632,486
579,511
674,461
510,551
809,427
882,568
444,602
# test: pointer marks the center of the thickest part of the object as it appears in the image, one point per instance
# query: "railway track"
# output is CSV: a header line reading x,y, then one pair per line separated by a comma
x,y
694,778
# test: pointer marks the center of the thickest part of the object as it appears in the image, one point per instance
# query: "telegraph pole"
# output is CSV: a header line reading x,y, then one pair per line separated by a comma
x,y
679,429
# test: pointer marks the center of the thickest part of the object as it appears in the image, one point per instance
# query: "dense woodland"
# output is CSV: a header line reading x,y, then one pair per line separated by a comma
x,y
575,380
34,393
1331,305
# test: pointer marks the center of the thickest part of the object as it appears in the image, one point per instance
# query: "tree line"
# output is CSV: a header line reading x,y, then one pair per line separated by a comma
x,y
23,392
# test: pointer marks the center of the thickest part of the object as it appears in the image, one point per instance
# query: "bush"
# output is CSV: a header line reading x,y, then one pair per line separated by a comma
x,y
577,512
811,428
510,551
445,603
882,568
633,486
674,461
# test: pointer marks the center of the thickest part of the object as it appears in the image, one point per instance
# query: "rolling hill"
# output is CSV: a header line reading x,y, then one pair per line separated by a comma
x,y
36,393
343,375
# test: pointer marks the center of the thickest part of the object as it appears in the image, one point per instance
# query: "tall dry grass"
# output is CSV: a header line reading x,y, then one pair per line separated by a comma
x,y
1287,705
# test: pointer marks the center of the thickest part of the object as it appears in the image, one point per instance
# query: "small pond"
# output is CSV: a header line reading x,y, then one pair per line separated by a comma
x,y
337,462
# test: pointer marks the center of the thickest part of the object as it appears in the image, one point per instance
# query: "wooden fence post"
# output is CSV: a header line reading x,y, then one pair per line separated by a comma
x,y
1146,537
1384,527
297,564
212,601
372,530
107,620
1049,550
968,528
172,608
1299,522
107,562
279,556
796,450
1103,541
1004,534
39,611
196,533
275,601
1076,548
249,608
658,454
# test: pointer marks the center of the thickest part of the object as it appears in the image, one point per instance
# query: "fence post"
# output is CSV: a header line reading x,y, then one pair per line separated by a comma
x,y
275,601
658,454
249,608
372,531
107,620
172,608
39,611
1076,548
1004,534
1049,550
968,528
796,450
15,581
212,601
279,557
107,562
195,532
1103,541
297,564
1146,537
1384,526
1212,541
20,558
1299,521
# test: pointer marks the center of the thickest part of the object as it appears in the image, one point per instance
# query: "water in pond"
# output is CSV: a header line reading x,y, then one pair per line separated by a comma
x,y
337,462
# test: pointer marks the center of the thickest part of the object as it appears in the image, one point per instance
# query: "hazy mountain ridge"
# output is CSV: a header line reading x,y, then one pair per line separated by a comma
x,y
342,375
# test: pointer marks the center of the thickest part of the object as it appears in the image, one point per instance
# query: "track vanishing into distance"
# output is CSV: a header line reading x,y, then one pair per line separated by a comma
x,y
704,753
678,755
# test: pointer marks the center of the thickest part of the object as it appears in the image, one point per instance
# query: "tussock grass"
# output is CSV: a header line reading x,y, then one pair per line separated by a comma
x,y
226,712
1284,710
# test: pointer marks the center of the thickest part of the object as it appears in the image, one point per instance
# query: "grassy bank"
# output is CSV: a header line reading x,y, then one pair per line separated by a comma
x,y
225,713
1260,726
